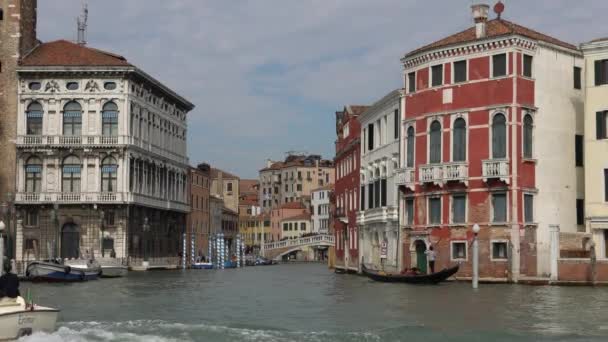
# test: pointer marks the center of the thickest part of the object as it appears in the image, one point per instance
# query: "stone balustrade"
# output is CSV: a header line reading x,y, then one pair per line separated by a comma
x,y
495,169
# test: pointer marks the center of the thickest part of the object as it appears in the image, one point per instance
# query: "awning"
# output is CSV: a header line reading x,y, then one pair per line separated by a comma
x,y
34,114
109,168
72,114
109,115
33,168
71,169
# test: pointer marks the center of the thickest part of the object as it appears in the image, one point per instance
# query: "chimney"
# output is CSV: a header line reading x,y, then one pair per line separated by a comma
x,y
480,16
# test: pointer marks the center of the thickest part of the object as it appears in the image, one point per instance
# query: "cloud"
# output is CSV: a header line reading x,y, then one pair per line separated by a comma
x,y
267,76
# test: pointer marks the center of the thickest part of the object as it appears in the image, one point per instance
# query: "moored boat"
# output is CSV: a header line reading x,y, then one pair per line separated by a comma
x,y
18,319
50,271
433,278
90,270
114,271
202,266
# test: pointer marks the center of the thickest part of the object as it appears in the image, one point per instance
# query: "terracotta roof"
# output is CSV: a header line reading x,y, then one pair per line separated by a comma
x,y
65,53
356,109
305,216
292,205
248,186
225,175
495,28
248,200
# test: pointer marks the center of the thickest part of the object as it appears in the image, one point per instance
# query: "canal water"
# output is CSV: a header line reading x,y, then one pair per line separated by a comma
x,y
307,302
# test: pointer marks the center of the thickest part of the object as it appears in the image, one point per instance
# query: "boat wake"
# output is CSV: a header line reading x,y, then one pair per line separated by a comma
x,y
161,331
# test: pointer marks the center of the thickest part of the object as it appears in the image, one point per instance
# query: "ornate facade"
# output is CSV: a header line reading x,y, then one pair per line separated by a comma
x,y
101,158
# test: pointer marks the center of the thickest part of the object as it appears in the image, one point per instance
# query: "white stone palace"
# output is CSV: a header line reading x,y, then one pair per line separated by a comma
x,y
101,158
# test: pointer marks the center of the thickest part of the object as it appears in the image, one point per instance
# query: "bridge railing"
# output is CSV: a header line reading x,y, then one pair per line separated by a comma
x,y
309,240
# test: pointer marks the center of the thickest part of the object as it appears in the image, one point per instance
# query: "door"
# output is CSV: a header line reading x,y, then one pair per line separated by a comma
x,y
606,243
70,241
420,256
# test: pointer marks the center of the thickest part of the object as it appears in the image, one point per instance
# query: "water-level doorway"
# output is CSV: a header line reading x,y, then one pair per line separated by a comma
x,y
421,256
70,241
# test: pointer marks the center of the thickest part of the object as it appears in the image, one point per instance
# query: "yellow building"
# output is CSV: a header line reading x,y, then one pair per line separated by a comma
x,y
596,142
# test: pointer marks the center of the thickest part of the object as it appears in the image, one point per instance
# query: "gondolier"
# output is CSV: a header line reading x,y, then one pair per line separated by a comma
x,y
431,255
9,284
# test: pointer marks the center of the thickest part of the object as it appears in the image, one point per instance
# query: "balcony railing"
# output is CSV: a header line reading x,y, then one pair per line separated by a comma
x,y
406,177
432,173
458,171
496,169
99,197
378,215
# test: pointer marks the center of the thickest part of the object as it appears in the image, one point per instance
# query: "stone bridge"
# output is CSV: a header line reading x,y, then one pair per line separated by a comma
x,y
275,250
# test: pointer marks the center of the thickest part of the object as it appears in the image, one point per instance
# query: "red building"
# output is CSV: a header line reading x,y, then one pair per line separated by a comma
x,y
346,195
489,138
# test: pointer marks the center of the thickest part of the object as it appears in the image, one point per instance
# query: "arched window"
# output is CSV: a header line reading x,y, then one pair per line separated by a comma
x,y
435,155
459,152
34,118
411,141
499,137
528,126
109,168
70,175
109,117
72,118
33,174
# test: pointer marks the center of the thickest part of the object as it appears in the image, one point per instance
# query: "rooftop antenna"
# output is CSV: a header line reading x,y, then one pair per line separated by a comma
x,y
82,24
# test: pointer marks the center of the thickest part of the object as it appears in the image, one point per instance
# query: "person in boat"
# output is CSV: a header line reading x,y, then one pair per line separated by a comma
x,y
9,285
431,255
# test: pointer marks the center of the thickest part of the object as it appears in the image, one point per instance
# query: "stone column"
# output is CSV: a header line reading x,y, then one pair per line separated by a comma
x,y
554,251
19,241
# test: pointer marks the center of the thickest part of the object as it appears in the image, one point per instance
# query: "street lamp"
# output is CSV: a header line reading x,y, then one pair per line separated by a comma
x,y
2,227
475,256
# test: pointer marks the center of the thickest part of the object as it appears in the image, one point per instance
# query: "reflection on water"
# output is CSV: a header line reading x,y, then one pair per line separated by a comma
x,y
309,303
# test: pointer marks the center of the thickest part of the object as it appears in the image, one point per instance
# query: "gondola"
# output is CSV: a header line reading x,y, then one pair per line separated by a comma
x,y
434,278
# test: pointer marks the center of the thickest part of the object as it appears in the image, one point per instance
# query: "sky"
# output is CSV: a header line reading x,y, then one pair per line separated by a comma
x,y
267,76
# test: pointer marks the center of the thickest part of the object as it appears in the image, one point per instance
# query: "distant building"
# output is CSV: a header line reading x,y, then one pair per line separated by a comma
x,y
378,216
226,186
293,179
319,209
296,226
198,220
249,211
346,191
277,215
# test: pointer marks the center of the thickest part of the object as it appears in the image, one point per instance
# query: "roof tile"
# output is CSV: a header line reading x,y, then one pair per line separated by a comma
x,y
65,53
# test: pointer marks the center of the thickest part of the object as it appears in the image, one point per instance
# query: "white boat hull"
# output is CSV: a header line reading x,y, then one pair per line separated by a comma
x,y
114,271
17,321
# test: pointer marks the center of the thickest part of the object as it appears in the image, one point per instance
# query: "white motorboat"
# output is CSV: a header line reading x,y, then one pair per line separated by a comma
x,y
114,271
18,319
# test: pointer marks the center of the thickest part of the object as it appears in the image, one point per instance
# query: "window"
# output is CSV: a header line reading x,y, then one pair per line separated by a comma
x,y
72,85
601,72
31,217
411,138
377,194
109,85
409,210
499,65
579,150
285,227
362,197
383,191
499,137
31,244
528,127
290,226
460,71
437,75
109,117
527,72
459,208
499,207
606,185
300,175
34,118
109,168
71,174
299,187
459,250
72,119
1,14
107,244
302,226
600,125
411,81
435,210
528,208
109,218
435,152
370,196
370,137
460,140
577,78
499,250
396,123
229,187
35,85
33,175
580,212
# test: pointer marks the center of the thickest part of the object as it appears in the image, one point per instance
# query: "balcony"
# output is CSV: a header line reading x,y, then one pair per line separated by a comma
x,y
407,178
496,169
432,173
378,215
456,172
99,197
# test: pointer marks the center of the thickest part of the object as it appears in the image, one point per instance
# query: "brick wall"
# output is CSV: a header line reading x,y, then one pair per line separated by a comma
x,y
580,270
